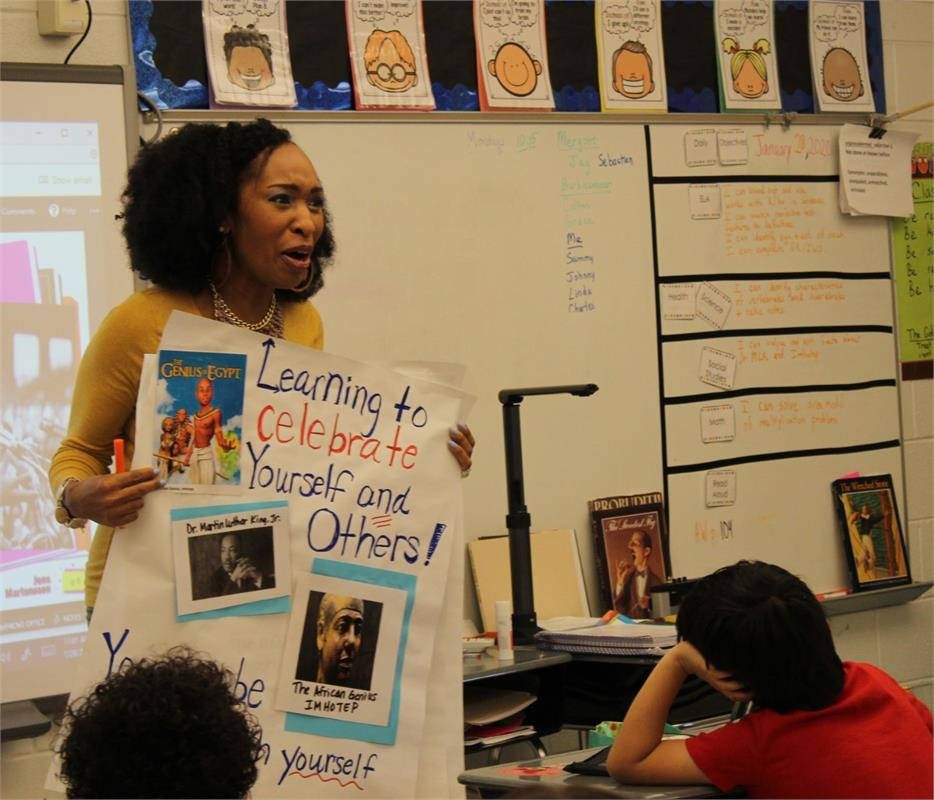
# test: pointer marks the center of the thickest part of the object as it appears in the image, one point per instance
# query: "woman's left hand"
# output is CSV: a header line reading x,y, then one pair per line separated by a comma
x,y
461,444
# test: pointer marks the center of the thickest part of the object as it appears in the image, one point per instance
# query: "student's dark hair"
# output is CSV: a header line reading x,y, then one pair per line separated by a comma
x,y
165,727
181,189
763,625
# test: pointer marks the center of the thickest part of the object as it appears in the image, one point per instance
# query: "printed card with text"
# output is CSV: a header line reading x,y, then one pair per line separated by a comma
x,y
232,555
630,55
874,172
748,67
512,55
718,424
704,201
342,659
713,304
720,488
700,148
677,300
247,50
732,147
717,367
839,66
387,54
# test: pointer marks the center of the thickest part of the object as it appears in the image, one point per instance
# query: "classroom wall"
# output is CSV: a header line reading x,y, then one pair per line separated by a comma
x,y
899,639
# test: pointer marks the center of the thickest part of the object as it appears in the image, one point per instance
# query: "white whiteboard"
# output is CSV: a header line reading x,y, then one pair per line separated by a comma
x,y
767,227
459,242
455,243
802,309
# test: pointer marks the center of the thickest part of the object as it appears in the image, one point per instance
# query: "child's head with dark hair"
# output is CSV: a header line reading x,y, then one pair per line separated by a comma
x,y
166,727
763,625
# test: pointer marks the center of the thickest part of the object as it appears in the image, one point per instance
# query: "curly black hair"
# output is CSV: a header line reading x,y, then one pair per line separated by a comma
x,y
181,189
165,727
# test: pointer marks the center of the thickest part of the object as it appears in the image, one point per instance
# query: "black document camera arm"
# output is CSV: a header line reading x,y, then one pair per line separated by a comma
x,y
518,521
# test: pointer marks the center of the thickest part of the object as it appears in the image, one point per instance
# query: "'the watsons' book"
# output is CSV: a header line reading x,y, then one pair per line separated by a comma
x,y
872,535
631,544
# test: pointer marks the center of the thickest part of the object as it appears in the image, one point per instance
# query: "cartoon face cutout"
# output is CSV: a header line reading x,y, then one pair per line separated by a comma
x,y
516,71
632,71
249,69
748,82
841,75
389,61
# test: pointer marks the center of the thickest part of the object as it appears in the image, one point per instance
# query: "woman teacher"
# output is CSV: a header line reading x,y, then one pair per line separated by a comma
x,y
229,223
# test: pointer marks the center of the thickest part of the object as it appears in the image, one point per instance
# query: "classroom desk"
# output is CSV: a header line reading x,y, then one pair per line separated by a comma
x,y
537,671
601,687
545,777
526,657
578,691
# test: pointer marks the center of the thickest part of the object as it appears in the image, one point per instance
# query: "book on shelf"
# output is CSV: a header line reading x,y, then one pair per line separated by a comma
x,y
873,541
557,576
631,548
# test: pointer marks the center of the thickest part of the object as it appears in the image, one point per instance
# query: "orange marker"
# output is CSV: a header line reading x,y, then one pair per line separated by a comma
x,y
119,461
835,593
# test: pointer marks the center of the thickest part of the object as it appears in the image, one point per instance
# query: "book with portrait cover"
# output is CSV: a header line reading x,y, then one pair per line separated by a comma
x,y
631,547
872,534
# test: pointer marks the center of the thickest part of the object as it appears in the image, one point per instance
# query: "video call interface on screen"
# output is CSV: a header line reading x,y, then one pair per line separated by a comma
x,y
53,225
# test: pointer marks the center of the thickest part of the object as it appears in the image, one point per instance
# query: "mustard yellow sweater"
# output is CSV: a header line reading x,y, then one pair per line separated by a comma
x,y
104,403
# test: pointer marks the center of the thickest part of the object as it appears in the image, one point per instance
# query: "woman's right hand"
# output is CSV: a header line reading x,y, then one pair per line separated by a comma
x,y
113,499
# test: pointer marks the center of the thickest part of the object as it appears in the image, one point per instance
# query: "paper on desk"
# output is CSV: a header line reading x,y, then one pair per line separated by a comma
x,y
875,173
500,738
568,623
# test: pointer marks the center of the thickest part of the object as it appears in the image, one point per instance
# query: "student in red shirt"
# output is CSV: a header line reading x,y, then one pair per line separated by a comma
x,y
821,728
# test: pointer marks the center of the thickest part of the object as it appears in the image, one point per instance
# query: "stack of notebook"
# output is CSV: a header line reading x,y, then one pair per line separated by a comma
x,y
612,638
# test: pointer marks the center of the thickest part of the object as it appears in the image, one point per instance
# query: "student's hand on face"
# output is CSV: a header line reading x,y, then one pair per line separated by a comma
x,y
693,663
114,499
461,445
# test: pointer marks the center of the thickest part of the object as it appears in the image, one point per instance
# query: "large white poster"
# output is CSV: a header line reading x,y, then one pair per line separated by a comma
x,y
320,584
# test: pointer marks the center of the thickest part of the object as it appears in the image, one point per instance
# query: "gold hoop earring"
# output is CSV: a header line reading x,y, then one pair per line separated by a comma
x,y
306,283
